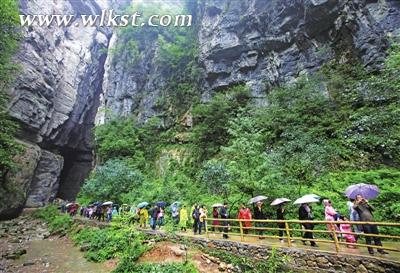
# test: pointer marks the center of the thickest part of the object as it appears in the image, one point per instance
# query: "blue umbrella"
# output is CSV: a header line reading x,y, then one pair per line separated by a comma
x,y
142,205
161,204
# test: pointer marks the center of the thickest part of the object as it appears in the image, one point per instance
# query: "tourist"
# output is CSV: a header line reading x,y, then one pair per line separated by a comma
x,y
215,222
224,215
330,215
154,214
364,209
175,214
202,219
183,218
259,215
305,213
196,220
353,216
280,215
143,216
109,214
160,217
345,229
245,214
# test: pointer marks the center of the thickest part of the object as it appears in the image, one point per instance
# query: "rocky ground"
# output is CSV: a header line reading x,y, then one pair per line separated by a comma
x,y
15,236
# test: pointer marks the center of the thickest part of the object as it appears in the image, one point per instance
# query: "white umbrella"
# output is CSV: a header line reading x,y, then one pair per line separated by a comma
x,y
279,201
257,199
217,205
108,203
306,199
312,195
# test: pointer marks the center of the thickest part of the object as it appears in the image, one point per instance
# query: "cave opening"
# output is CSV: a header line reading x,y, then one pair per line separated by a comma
x,y
77,165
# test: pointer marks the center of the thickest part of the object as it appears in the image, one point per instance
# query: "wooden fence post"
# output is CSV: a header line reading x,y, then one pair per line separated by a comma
x,y
335,238
289,241
241,230
206,226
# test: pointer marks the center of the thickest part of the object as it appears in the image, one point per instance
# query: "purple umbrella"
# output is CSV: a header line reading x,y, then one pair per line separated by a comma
x,y
365,190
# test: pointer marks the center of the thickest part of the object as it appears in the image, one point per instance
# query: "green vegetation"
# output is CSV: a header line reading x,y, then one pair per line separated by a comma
x,y
320,134
8,44
129,267
57,223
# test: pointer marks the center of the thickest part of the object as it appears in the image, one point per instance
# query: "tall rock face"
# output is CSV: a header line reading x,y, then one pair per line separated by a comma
x,y
55,100
264,43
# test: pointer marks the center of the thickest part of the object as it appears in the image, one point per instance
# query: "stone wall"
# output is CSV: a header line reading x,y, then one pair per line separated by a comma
x,y
300,260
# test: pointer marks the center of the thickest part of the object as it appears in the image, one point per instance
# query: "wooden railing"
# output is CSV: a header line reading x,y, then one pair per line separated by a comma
x,y
236,227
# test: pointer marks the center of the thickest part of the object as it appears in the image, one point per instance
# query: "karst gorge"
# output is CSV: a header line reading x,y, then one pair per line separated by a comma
x,y
242,98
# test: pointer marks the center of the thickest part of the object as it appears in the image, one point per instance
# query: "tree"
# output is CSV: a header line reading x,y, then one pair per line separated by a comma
x,y
110,181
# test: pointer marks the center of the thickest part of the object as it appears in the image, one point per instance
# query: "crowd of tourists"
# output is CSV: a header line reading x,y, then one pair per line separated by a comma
x,y
181,216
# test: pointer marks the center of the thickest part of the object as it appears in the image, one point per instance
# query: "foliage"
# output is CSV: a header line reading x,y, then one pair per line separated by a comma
x,y
9,148
57,223
211,130
111,242
111,180
126,266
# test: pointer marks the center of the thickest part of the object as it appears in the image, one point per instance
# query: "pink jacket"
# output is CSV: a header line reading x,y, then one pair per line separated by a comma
x,y
330,213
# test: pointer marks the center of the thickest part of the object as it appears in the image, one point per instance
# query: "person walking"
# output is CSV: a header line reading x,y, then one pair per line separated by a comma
x,y
245,214
330,215
196,219
305,213
224,215
280,215
354,217
215,222
365,210
183,218
109,214
143,216
202,218
259,215
154,215
160,217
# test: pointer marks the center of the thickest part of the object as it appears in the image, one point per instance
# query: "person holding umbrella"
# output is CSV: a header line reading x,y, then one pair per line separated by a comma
x,y
143,216
305,213
259,215
280,214
365,210
224,215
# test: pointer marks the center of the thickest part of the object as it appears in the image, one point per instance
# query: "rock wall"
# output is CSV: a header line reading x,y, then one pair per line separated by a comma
x,y
55,99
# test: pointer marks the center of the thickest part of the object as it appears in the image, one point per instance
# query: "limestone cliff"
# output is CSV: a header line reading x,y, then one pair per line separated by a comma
x,y
67,72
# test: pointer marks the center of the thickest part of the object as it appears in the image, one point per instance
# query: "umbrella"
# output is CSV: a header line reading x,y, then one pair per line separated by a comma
x,y
107,203
367,191
313,196
217,205
257,199
306,199
68,205
161,204
176,204
142,205
279,201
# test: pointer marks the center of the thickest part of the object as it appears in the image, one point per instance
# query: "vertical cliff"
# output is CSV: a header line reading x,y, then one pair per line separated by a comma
x,y
55,100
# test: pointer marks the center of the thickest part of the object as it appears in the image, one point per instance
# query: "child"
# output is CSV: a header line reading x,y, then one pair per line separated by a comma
x,y
347,228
